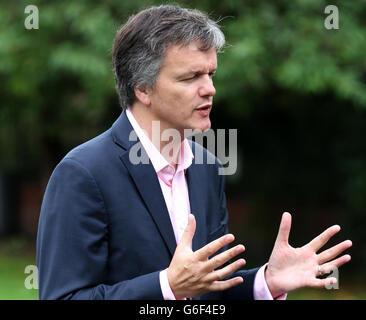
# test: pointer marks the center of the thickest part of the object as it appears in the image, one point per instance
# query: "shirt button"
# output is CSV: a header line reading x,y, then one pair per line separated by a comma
x,y
169,170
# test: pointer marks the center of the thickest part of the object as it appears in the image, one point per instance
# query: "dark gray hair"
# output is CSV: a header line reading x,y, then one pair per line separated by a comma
x,y
141,43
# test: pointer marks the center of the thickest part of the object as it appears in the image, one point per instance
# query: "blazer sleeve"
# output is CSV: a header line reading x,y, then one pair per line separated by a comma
x,y
72,242
243,291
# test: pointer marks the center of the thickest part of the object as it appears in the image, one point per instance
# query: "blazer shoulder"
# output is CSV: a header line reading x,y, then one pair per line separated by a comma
x,y
92,151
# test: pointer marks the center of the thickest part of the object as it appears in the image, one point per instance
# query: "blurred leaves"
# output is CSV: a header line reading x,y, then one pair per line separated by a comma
x,y
285,45
57,82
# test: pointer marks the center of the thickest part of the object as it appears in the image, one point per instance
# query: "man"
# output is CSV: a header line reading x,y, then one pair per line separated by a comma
x,y
111,228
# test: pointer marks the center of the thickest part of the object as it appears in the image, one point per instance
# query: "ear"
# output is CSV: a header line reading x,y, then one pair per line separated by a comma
x,y
143,95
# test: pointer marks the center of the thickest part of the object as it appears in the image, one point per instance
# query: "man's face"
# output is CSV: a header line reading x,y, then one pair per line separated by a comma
x,y
183,93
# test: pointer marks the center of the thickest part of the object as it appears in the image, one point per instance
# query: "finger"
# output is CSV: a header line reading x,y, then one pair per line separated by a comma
x,y
323,238
334,264
189,231
224,285
209,249
284,230
321,283
225,272
334,251
223,257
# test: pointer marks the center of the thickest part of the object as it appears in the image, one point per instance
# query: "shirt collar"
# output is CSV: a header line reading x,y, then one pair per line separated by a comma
x,y
158,161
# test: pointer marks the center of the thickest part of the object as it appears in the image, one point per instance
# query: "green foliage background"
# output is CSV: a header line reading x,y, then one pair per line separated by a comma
x,y
295,90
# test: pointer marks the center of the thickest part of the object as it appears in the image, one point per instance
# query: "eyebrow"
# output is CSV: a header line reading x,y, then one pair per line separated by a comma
x,y
195,72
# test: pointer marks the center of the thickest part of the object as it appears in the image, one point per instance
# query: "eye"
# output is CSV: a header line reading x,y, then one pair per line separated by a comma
x,y
190,78
211,74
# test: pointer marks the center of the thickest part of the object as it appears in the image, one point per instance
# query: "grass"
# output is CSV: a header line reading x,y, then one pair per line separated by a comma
x,y
17,252
12,279
345,292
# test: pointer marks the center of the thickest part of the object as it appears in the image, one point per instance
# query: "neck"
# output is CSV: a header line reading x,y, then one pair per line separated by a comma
x,y
166,140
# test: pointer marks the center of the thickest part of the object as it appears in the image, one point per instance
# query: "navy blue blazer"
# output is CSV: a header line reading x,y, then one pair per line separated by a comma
x,y
104,230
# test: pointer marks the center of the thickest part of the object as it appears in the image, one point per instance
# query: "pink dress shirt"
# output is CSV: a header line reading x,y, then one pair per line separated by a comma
x,y
175,191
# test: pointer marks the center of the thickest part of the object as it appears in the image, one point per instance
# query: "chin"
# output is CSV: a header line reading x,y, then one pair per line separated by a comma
x,y
197,128
205,126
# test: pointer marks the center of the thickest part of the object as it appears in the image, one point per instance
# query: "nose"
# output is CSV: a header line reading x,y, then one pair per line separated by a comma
x,y
207,88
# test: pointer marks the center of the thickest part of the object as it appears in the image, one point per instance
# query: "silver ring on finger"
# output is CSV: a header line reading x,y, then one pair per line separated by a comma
x,y
320,271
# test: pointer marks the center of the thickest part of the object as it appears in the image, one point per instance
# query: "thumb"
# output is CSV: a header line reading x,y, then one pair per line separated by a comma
x,y
189,231
284,230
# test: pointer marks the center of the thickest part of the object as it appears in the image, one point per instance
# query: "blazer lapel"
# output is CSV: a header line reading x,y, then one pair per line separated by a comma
x,y
146,182
194,182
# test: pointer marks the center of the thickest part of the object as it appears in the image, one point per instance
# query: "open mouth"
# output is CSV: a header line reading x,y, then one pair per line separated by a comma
x,y
205,107
204,111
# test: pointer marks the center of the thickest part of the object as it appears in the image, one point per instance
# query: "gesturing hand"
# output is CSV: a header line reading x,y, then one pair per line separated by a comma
x,y
191,274
292,268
